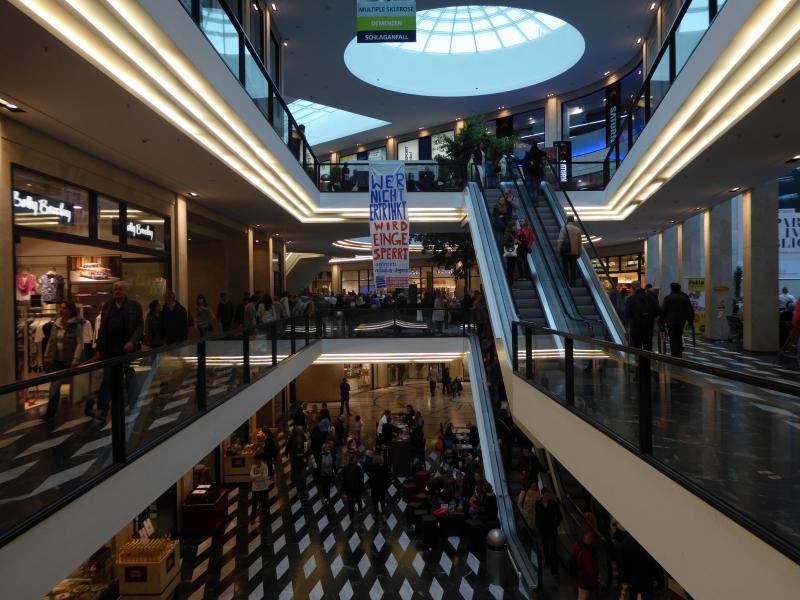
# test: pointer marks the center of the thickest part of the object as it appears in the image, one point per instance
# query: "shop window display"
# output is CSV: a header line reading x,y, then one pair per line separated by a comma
x,y
107,219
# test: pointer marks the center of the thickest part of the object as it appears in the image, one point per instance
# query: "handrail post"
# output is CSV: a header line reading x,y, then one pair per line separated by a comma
x,y
293,331
515,346
246,355
528,353
569,370
645,407
274,332
394,320
116,388
200,387
308,335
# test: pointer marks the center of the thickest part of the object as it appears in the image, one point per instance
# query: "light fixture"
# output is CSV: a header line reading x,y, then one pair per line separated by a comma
x,y
10,106
607,73
274,7
794,159
652,6
188,239
638,41
285,43
733,190
193,194
698,209
421,128
255,7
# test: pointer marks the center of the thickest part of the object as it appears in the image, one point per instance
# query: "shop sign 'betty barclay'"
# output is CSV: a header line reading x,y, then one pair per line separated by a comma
x,y
388,223
139,231
42,207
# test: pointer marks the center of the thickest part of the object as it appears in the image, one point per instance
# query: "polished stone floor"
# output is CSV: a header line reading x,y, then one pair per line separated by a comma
x,y
308,550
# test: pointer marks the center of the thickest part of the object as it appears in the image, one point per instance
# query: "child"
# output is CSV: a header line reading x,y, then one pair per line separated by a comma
x,y
357,431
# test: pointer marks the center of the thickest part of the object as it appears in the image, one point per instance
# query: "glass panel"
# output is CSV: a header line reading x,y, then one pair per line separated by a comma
x,y
160,393
107,219
624,140
584,123
224,368
529,125
659,83
145,229
253,23
221,32
638,118
147,280
548,364
630,85
187,4
45,203
690,31
42,461
256,83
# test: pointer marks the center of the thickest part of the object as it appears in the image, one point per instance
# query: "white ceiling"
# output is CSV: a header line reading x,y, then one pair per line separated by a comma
x,y
318,32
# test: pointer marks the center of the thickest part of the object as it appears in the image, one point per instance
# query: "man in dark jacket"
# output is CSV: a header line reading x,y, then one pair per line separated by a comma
x,y
225,312
121,328
676,311
344,396
353,484
641,314
378,485
548,518
174,320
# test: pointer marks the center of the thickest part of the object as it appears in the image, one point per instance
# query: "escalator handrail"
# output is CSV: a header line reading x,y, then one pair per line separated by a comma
x,y
548,253
596,254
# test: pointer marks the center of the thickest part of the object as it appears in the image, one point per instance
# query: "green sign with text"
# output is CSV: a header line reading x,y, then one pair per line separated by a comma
x,y
379,21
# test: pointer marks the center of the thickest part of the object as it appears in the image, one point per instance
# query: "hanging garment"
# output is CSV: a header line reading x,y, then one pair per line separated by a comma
x,y
26,285
51,286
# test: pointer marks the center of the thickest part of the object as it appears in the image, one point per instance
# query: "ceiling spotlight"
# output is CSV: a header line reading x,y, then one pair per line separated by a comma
x,y
652,6
255,7
193,194
607,73
794,159
733,190
698,209
285,43
638,41
421,128
274,6
550,95
10,106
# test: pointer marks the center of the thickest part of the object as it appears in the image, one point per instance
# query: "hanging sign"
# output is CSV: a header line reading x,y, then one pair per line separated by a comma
x,y
379,21
388,223
564,157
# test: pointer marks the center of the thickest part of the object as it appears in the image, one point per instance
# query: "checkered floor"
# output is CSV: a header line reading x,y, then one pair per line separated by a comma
x,y
308,550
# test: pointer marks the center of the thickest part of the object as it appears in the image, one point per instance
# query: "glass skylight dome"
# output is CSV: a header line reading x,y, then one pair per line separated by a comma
x,y
470,51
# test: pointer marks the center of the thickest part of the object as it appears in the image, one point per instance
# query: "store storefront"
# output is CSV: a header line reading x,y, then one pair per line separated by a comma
x,y
624,269
74,243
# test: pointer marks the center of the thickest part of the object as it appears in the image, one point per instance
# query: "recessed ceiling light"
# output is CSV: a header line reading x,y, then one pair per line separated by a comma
x,y
794,159
733,190
607,73
255,7
421,128
193,194
189,239
652,6
638,41
274,6
285,43
10,106
698,209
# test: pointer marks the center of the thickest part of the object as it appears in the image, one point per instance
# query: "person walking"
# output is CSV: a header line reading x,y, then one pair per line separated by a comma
x,y
785,298
250,316
266,311
569,247
270,450
296,450
64,350
479,160
353,484
344,397
121,328
153,337
527,504
379,485
502,215
676,312
203,316
587,573
433,379
532,169
327,472
548,518
174,320
524,237
641,314
259,482
510,244
225,312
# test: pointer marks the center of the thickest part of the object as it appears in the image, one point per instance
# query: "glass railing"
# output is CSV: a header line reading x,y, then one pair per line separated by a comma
x,y
692,22
697,424
113,411
226,35
421,176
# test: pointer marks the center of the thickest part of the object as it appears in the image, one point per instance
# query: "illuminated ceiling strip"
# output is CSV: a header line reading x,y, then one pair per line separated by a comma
x,y
334,261
720,99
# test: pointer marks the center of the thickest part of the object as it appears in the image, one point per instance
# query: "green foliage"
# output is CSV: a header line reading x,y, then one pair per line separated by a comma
x,y
449,251
475,130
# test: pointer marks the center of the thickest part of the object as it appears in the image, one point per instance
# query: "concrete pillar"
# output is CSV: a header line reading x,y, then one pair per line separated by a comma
x,y
760,284
718,270
653,264
270,283
552,121
669,260
7,274
250,261
180,251
692,250
391,149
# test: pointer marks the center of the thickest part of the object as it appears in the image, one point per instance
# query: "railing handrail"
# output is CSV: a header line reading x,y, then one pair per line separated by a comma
x,y
742,377
628,109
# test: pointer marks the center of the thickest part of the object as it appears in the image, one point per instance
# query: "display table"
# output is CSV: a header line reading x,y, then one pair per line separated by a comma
x,y
236,468
147,573
204,511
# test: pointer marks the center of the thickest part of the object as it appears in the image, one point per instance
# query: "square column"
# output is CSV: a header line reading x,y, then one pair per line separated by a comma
x,y
653,264
180,251
692,250
718,270
669,261
760,282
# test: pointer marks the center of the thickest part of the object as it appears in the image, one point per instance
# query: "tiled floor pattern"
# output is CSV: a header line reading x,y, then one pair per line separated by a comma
x,y
310,550
729,355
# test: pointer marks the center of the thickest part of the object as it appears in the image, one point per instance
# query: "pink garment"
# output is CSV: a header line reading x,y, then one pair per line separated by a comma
x,y
26,285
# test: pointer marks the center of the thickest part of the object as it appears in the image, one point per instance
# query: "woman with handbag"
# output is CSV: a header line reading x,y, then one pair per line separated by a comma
x,y
510,252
